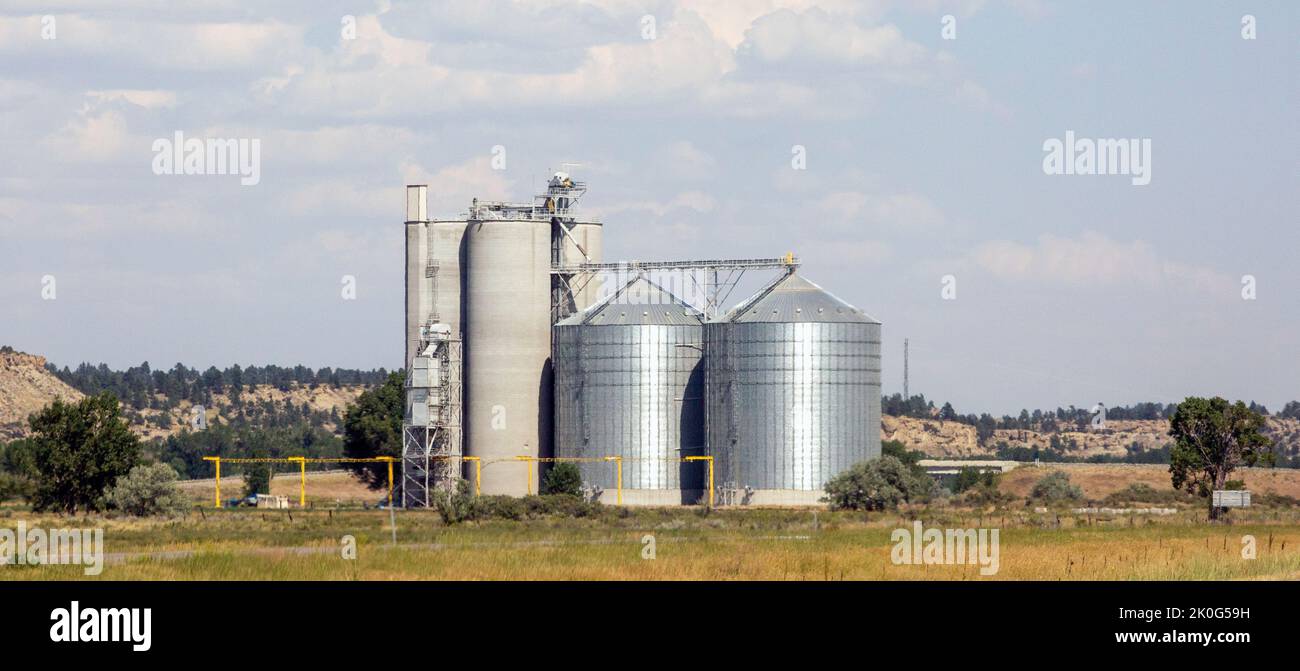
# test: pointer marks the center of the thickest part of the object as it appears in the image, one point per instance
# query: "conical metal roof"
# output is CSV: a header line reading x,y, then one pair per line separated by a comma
x,y
639,302
795,299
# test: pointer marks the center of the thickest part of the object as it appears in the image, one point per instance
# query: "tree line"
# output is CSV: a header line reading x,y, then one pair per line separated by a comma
x,y
144,387
1046,421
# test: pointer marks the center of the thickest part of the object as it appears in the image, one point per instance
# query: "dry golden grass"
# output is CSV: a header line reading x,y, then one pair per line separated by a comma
x,y
724,545
1098,480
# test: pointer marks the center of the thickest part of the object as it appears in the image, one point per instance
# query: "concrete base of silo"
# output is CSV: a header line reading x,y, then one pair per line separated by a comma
x,y
676,497
653,497
779,497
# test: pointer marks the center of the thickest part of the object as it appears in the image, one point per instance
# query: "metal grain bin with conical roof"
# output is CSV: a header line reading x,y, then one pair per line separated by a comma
x,y
793,393
629,383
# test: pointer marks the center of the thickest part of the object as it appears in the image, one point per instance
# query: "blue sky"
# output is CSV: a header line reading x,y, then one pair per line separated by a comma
x,y
924,159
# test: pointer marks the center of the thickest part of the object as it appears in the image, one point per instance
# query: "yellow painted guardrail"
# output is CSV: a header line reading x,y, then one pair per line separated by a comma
x,y
710,460
618,461
478,470
302,466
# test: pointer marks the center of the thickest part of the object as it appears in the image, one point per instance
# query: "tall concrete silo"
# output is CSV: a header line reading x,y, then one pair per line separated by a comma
x,y
487,281
434,260
507,348
417,253
445,273
629,384
793,392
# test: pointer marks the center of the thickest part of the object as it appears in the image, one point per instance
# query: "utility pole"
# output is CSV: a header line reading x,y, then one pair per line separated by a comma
x,y
906,394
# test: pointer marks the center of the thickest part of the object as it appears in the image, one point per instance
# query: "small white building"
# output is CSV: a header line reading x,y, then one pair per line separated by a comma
x,y
273,502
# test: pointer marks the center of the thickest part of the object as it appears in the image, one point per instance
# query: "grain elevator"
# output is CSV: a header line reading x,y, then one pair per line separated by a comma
x,y
525,348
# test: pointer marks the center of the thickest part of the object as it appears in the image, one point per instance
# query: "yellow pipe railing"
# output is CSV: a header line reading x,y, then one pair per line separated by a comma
x,y
217,462
302,466
478,470
528,470
710,460
478,474
618,461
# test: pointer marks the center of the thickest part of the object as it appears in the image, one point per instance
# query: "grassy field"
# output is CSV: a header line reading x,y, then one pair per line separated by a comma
x,y
690,544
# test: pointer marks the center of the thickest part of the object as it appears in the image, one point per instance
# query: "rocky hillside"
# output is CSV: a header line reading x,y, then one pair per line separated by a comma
x,y
955,440
26,387
322,398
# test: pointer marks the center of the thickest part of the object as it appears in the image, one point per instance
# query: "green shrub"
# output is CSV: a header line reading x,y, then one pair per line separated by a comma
x,y
968,478
16,458
896,449
560,505
257,479
985,495
454,505
461,506
1141,492
1138,492
563,478
1273,500
16,487
16,470
877,484
499,507
980,489
148,489
78,450
1055,486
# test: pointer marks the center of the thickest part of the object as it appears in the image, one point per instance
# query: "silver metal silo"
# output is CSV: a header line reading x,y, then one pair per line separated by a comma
x,y
629,383
793,393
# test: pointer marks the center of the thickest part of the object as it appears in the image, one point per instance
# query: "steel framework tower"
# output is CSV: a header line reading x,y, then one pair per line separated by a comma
x,y
431,430
714,279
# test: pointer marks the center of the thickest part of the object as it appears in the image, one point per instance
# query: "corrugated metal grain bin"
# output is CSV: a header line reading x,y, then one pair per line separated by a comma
x,y
793,393
629,383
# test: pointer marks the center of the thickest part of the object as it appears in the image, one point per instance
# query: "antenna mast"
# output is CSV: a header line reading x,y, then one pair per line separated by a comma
x,y
906,393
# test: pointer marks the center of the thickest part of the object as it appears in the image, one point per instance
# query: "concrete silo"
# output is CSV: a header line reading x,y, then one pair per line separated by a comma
x,y
445,273
629,384
487,284
417,252
435,252
507,350
793,393
512,297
